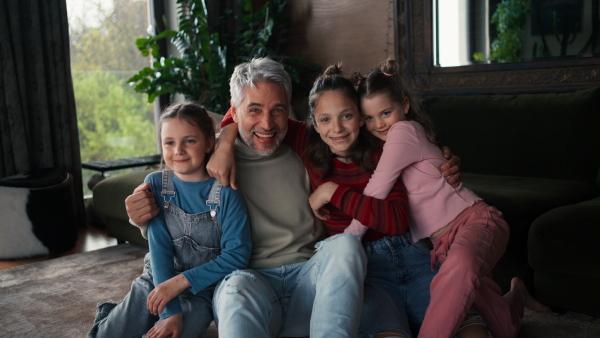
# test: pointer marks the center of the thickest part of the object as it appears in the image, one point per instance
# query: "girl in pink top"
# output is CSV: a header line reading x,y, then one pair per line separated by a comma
x,y
468,236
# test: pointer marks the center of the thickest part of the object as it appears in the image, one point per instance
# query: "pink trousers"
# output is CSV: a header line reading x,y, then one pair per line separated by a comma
x,y
467,252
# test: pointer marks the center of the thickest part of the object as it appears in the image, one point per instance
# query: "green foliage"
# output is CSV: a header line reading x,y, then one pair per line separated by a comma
x,y
112,122
106,44
208,53
480,57
509,17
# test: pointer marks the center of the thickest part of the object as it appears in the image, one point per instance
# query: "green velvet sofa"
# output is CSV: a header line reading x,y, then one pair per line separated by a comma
x,y
109,205
536,157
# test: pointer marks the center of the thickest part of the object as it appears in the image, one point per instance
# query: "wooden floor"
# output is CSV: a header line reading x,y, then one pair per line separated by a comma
x,y
90,238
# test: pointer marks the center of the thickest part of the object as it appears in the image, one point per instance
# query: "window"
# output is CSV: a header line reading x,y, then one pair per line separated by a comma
x,y
114,121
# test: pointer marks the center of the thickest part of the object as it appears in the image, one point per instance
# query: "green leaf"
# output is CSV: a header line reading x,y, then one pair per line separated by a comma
x,y
146,71
141,43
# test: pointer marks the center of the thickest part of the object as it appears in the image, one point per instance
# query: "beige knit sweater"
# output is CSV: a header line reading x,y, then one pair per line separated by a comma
x,y
276,190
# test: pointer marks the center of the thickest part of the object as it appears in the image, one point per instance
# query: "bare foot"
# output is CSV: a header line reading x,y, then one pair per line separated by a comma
x,y
518,286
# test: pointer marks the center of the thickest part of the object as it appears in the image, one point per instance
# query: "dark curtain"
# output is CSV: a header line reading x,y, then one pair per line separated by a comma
x,y
38,122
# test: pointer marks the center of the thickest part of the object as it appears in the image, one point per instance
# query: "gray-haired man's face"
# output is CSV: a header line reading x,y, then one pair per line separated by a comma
x,y
262,117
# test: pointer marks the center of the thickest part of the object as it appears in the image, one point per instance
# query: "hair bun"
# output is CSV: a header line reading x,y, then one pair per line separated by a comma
x,y
356,78
333,70
389,67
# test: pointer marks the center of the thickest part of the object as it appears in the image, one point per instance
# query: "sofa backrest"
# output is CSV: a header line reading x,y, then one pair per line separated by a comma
x,y
536,135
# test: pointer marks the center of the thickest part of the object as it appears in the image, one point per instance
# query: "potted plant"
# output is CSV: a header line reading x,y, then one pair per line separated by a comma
x,y
510,17
208,53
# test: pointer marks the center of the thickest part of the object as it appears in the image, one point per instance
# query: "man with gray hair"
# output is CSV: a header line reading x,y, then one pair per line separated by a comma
x,y
291,289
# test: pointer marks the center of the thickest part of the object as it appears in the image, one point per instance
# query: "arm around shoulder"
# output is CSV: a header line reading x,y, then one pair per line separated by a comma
x,y
221,164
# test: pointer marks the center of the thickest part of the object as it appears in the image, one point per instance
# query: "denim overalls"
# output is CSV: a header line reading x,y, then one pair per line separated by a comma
x,y
196,237
196,240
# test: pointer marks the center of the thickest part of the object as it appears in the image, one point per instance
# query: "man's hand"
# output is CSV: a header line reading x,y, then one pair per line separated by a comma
x,y
320,197
221,164
171,326
451,169
164,292
141,205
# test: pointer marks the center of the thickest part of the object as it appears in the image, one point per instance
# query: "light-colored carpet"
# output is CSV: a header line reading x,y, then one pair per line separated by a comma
x,y
58,297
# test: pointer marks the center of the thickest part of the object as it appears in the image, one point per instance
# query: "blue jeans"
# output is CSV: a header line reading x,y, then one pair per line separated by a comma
x,y
131,317
324,294
397,285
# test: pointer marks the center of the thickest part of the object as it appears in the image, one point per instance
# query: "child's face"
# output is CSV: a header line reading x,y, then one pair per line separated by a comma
x,y
184,149
380,113
338,122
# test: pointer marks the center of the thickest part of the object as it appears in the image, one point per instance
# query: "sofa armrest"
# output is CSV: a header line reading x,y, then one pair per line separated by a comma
x,y
109,205
563,252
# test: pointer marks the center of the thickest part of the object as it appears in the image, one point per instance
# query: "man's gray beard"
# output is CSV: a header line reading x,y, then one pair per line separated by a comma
x,y
247,138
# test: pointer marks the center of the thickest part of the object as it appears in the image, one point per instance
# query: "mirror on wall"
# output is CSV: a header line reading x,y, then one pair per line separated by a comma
x,y
468,32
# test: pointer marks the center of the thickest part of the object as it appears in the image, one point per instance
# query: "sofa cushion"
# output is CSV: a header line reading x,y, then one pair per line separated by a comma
x,y
564,240
534,135
523,199
563,253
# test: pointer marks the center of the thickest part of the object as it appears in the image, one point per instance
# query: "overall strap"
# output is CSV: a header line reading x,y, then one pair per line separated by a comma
x,y
214,198
168,190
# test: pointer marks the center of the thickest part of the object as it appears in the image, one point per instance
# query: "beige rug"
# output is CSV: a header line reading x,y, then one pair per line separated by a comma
x,y
58,297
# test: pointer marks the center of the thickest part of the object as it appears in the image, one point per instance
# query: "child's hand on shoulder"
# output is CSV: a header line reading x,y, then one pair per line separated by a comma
x,y
170,326
164,292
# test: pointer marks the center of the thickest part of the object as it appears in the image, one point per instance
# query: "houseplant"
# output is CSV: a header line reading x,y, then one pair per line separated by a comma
x,y
509,18
209,52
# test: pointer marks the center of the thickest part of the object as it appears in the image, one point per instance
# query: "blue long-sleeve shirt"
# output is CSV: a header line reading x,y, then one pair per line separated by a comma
x,y
236,244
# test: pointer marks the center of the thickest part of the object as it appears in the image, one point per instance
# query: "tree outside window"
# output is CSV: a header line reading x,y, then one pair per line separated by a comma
x,y
114,121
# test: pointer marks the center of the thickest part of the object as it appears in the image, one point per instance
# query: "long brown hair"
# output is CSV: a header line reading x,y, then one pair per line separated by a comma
x,y
317,151
389,79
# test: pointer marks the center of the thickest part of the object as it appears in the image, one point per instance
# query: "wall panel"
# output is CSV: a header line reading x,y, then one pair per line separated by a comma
x,y
357,32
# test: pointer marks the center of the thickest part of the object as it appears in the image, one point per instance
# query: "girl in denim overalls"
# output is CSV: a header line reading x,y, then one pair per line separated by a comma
x,y
201,235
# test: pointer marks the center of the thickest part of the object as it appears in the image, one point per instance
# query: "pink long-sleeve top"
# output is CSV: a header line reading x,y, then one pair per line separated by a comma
x,y
433,203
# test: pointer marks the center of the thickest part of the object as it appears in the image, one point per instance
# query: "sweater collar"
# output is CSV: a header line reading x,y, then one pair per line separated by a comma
x,y
243,151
